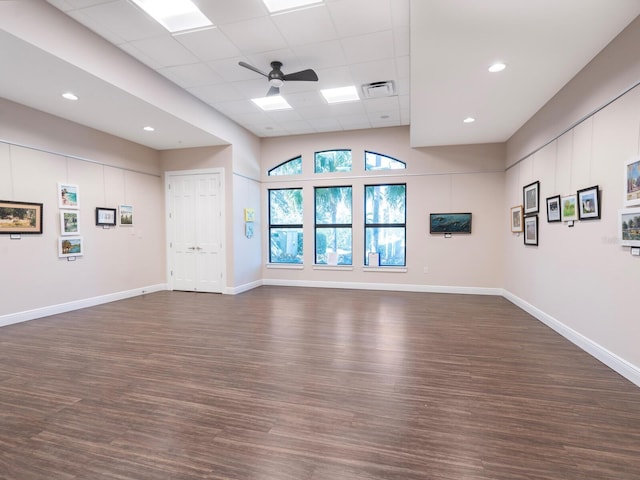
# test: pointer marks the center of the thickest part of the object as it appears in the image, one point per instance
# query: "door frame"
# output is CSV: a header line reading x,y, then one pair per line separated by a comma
x,y
223,230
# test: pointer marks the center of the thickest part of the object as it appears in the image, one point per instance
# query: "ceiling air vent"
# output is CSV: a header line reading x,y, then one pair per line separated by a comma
x,y
378,89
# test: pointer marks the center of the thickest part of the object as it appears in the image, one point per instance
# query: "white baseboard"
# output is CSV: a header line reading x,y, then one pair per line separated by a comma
x,y
395,287
242,288
629,371
77,304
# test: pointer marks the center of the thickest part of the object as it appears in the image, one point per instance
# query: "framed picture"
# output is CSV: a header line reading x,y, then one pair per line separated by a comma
x,y
449,223
68,196
589,203
105,216
69,222
632,182
70,247
126,215
249,215
531,230
569,210
629,227
17,218
516,219
531,198
553,209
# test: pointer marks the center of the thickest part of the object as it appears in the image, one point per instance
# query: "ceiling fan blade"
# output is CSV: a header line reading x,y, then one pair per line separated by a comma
x,y
273,91
301,76
251,67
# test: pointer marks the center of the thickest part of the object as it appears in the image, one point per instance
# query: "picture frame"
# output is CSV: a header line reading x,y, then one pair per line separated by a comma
x,y
531,230
629,227
68,195
249,215
531,198
589,203
632,182
70,247
553,209
516,219
106,217
69,222
125,215
450,223
17,218
569,204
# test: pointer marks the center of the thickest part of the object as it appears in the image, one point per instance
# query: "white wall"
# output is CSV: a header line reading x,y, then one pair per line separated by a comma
x,y
446,179
579,280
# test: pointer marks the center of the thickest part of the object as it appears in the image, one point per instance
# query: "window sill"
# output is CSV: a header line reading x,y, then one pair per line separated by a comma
x,y
385,269
322,266
285,266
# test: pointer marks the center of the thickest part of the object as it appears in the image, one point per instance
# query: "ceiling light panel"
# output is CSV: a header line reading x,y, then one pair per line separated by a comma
x,y
268,104
280,5
176,15
341,94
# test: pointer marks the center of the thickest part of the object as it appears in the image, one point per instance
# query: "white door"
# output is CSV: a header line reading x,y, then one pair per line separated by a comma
x,y
195,226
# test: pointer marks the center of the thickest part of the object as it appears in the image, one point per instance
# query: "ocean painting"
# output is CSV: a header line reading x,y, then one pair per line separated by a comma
x,y
450,223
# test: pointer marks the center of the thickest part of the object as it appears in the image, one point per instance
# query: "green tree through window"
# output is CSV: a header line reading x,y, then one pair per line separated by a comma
x,y
332,161
385,223
333,225
285,225
290,167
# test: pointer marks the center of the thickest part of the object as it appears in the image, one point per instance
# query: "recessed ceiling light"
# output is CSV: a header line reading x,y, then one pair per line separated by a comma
x,y
148,128
341,94
469,120
176,15
497,67
70,96
275,102
280,5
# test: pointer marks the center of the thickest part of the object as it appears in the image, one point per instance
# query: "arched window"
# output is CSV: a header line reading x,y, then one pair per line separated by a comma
x,y
290,167
332,161
377,161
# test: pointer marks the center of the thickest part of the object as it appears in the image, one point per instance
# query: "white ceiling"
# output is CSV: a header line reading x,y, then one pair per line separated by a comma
x,y
436,51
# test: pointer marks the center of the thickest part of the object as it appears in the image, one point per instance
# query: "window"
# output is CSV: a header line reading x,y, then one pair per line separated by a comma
x,y
333,161
385,223
290,167
376,161
333,225
285,225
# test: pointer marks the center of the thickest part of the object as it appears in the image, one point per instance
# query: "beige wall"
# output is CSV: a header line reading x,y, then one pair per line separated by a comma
x,y
446,179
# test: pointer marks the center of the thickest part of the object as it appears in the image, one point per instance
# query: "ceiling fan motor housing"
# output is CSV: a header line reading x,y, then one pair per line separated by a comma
x,y
276,77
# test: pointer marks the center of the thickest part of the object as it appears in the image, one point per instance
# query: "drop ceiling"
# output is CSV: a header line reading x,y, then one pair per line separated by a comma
x,y
436,53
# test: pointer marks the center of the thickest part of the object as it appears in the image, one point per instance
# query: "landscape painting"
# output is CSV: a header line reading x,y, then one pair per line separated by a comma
x,y
450,223
629,227
20,217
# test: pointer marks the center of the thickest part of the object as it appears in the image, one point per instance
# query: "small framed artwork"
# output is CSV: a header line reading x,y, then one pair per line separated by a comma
x,y
632,182
70,247
68,196
516,219
17,218
531,198
69,222
248,229
126,215
629,227
249,215
106,217
589,203
531,230
569,210
553,209
449,223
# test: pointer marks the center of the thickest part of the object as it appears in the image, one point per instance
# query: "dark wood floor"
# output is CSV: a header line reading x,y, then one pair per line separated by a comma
x,y
309,384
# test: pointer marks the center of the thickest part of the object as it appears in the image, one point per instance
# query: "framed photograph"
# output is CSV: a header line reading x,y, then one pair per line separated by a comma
x,y
569,206
69,222
68,196
70,247
531,198
629,227
126,215
632,182
553,209
106,216
516,219
449,223
589,203
531,230
18,218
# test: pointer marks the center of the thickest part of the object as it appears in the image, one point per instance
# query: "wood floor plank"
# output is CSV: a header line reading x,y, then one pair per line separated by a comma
x,y
283,383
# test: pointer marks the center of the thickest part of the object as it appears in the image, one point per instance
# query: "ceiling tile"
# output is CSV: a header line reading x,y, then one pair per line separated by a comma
x,y
123,19
366,48
222,12
254,35
358,17
165,51
213,94
400,13
208,44
322,55
194,75
309,25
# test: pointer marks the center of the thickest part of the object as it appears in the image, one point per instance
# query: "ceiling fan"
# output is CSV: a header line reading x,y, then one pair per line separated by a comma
x,y
277,78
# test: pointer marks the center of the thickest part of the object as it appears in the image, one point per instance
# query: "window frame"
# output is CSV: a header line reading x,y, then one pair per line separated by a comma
x,y
284,226
299,157
317,225
385,225
382,155
315,155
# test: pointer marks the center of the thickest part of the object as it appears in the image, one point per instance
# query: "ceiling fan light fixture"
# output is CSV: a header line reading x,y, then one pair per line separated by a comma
x,y
276,82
